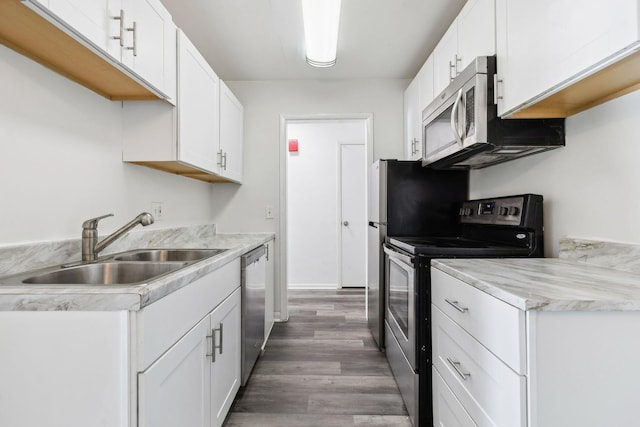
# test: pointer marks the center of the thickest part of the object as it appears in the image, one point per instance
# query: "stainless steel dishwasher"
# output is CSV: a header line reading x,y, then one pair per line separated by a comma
x,y
253,298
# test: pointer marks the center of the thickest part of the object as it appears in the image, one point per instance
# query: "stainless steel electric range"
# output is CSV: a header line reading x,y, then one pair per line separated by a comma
x,y
488,228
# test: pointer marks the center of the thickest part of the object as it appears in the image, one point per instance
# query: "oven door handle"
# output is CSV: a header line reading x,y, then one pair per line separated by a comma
x,y
389,250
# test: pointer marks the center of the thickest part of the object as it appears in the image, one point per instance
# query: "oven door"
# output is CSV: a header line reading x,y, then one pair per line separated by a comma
x,y
400,301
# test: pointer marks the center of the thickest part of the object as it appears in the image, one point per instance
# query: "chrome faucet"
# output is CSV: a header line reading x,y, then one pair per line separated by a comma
x,y
90,245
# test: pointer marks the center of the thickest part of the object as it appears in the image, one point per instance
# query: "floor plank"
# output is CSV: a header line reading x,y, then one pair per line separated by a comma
x,y
321,368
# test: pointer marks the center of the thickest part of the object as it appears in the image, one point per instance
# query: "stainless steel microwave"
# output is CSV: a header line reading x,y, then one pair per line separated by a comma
x,y
461,128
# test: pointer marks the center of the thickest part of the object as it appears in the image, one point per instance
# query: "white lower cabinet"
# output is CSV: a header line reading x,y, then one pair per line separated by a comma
x,y
175,390
488,389
579,368
175,362
226,358
447,410
195,381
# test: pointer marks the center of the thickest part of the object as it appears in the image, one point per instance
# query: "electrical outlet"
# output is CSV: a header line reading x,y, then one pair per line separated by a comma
x,y
268,212
156,210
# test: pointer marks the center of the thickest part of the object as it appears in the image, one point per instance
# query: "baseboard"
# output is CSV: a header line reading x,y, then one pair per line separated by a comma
x,y
312,286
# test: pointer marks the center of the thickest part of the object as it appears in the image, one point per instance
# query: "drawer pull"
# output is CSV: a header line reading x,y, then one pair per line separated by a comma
x,y
456,366
456,305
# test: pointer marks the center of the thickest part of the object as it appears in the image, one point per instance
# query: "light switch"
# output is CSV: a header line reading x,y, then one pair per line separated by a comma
x,y
268,212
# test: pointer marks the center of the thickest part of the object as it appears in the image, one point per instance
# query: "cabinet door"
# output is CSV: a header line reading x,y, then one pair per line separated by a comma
x,y
444,59
225,365
174,390
476,31
198,108
425,85
93,20
410,118
231,134
547,42
148,30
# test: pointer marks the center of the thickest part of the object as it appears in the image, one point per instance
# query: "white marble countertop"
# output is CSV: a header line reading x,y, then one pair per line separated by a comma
x,y
548,284
24,297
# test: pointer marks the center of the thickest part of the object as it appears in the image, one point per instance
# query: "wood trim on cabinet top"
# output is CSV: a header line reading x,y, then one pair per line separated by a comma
x,y
31,35
183,169
610,79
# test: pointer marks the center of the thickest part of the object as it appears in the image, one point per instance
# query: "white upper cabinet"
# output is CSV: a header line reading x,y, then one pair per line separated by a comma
x,y
136,36
547,46
231,135
201,137
472,34
411,96
150,36
93,19
417,96
445,58
425,88
198,108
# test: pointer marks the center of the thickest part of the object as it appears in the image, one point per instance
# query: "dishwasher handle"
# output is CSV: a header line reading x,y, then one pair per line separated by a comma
x,y
253,256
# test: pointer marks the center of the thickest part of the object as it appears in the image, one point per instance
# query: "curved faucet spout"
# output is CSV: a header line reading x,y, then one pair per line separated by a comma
x,y
90,245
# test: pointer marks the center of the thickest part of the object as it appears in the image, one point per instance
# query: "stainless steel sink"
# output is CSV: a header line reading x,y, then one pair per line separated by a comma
x,y
168,255
133,267
105,273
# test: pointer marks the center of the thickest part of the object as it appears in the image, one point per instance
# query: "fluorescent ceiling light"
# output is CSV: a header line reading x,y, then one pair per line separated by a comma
x,y
321,20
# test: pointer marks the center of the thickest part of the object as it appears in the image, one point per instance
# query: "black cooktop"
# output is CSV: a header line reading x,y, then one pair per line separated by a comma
x,y
443,247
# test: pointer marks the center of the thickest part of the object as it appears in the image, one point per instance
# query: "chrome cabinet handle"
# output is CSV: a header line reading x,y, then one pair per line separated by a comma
x,y
414,146
121,19
456,305
222,160
456,367
452,68
213,343
134,48
496,81
219,162
457,59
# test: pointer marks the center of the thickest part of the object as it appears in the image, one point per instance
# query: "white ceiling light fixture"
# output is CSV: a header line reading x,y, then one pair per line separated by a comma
x,y
321,20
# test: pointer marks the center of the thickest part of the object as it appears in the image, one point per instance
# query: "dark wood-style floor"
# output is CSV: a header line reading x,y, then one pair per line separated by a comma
x,y
321,368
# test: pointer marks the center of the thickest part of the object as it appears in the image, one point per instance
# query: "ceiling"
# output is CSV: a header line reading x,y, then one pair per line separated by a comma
x,y
263,39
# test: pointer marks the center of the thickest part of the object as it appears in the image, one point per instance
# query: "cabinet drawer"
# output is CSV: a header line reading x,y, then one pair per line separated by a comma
x,y
491,393
497,325
447,410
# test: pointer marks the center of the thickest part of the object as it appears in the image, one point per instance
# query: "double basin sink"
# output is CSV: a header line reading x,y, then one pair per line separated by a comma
x,y
127,268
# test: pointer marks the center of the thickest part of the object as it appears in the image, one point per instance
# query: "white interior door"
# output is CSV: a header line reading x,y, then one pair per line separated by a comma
x,y
353,215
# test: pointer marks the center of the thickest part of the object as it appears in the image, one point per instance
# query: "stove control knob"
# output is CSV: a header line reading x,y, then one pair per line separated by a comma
x,y
514,210
504,211
468,211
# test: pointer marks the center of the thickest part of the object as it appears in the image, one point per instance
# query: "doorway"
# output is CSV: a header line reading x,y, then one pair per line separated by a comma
x,y
323,198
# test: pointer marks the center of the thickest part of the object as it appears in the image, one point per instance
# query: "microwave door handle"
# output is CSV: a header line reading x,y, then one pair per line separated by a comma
x,y
454,118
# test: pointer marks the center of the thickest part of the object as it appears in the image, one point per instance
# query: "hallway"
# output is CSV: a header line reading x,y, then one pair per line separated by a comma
x,y
321,368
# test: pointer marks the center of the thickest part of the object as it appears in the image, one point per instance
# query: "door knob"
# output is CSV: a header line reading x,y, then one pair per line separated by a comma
x,y
345,223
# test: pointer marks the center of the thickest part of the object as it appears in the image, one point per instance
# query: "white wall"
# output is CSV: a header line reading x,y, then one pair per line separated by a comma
x,y
60,162
312,200
241,208
591,187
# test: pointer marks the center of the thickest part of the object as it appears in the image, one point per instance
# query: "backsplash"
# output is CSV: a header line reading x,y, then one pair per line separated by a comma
x,y
619,256
15,259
